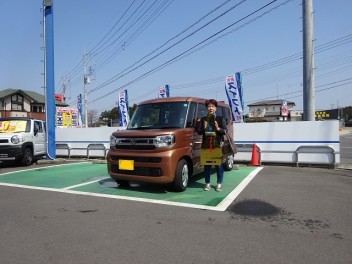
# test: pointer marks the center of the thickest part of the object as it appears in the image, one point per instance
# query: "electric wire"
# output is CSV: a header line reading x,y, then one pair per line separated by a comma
x,y
121,74
180,55
143,25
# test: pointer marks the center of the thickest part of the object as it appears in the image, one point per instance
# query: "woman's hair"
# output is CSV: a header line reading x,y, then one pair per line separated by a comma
x,y
211,101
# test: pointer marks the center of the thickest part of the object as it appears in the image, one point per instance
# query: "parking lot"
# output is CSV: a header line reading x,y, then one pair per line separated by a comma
x,y
87,178
284,215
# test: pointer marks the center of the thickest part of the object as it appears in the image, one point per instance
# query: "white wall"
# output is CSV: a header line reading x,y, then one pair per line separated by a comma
x,y
81,137
278,141
276,138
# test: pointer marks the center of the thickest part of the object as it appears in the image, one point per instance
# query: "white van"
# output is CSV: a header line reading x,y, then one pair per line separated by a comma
x,y
22,139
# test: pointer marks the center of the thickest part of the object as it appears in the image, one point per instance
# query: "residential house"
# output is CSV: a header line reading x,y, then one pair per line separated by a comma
x,y
21,103
271,111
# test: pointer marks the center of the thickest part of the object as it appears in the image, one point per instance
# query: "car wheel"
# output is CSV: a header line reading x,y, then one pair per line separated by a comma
x,y
228,164
181,176
27,159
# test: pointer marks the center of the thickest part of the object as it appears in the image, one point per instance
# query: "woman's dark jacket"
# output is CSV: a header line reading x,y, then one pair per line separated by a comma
x,y
219,134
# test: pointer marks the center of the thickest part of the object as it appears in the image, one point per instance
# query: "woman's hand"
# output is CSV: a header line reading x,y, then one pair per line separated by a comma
x,y
205,124
217,128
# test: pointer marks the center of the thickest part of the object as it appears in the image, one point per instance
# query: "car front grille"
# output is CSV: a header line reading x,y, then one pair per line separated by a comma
x,y
135,143
138,171
137,159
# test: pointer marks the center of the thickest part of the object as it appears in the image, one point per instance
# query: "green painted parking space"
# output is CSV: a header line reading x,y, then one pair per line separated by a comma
x,y
92,179
57,176
194,193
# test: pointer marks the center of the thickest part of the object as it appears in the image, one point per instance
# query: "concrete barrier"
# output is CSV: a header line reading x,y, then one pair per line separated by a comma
x,y
295,143
307,142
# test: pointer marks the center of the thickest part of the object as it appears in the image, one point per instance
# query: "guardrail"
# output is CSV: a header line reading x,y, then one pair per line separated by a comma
x,y
305,154
86,150
317,150
298,155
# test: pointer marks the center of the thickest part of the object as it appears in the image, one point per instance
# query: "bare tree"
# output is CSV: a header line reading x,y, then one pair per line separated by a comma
x,y
92,117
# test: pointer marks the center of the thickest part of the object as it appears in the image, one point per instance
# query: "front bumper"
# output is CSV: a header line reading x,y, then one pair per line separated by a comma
x,y
11,152
158,167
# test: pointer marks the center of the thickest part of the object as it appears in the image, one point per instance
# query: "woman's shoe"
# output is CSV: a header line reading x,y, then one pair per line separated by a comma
x,y
218,188
206,187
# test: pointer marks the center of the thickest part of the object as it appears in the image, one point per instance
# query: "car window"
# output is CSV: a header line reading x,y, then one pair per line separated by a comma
x,y
202,111
38,126
190,116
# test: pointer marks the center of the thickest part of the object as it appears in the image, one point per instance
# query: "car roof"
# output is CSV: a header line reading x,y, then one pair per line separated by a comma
x,y
179,99
18,118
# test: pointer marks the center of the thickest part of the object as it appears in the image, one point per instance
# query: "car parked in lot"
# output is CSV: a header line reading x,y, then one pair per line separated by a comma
x,y
160,144
348,123
22,139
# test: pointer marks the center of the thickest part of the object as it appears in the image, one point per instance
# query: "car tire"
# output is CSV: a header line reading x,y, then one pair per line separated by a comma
x,y
27,159
181,176
228,164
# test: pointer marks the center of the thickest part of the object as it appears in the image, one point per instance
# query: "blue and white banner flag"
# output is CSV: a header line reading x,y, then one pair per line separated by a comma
x,y
233,88
123,109
164,92
80,111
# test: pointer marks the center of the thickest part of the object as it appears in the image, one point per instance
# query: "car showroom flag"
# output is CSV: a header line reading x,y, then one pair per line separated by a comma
x,y
80,111
164,91
123,109
233,88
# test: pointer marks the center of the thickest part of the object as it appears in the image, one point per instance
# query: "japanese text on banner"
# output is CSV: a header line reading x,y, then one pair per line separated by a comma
x,y
123,109
234,96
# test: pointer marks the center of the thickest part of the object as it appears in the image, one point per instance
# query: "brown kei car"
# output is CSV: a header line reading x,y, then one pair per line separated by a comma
x,y
160,144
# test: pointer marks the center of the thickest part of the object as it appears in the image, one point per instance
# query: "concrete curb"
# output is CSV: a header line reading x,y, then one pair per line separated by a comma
x,y
61,160
344,166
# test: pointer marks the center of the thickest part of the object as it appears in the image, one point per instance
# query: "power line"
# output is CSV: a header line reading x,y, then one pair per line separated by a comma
x,y
279,62
346,81
143,25
99,45
185,52
123,73
190,49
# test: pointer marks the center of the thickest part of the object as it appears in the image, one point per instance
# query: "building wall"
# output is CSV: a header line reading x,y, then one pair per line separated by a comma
x,y
270,112
40,116
5,109
26,105
5,104
263,110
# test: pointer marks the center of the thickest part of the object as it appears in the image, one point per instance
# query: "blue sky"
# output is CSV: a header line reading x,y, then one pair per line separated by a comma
x,y
251,46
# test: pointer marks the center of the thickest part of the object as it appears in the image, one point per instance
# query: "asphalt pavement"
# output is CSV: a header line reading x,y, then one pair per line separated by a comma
x,y
285,215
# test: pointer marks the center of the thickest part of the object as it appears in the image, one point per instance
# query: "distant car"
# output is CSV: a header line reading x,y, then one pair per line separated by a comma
x,y
348,123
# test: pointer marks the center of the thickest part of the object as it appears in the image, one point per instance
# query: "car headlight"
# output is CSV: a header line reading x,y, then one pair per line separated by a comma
x,y
16,139
164,141
112,141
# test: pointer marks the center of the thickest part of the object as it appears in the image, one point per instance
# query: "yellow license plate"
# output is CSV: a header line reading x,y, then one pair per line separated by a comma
x,y
126,164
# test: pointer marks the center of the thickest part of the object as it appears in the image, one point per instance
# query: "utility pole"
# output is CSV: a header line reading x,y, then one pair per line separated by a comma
x,y
85,93
64,88
308,62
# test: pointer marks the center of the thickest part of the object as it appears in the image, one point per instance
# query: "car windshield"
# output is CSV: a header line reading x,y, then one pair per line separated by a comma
x,y
14,126
159,115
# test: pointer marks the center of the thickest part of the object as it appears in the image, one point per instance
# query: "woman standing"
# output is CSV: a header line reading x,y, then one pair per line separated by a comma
x,y
215,125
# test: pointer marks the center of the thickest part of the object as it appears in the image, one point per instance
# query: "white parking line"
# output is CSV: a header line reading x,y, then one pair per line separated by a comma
x,y
233,195
38,168
85,183
222,206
